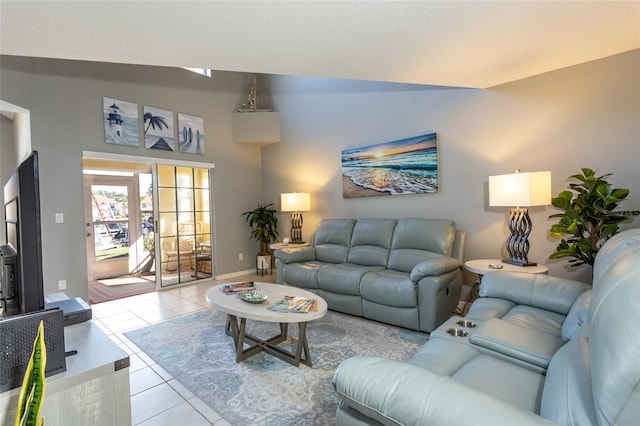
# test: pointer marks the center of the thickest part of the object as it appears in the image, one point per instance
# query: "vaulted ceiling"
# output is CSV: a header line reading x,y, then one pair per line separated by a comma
x,y
449,43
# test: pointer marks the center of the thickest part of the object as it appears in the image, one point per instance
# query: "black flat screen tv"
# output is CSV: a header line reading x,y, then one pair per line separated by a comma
x,y
22,226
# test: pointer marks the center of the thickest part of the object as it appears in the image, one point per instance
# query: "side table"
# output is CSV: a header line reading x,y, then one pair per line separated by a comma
x,y
278,246
481,267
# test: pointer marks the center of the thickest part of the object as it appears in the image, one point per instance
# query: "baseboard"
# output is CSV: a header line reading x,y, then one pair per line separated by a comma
x,y
236,274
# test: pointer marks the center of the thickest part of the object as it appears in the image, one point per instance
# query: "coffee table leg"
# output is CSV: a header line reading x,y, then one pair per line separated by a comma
x,y
237,329
240,353
302,346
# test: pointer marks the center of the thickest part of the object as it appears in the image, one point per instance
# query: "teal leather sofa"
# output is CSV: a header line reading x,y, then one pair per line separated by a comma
x,y
405,272
532,350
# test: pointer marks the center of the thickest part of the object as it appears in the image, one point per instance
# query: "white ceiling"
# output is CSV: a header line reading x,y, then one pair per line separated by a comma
x,y
449,43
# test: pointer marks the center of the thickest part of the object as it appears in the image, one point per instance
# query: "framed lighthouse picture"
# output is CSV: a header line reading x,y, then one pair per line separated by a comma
x,y
121,122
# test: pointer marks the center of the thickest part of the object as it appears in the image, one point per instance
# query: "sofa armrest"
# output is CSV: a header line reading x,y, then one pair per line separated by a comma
x,y
397,393
542,291
296,254
434,267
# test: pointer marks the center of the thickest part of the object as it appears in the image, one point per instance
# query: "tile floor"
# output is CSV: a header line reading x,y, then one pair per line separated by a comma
x,y
157,398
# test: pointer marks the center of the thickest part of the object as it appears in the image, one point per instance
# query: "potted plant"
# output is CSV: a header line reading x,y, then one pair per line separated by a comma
x,y
33,385
588,217
264,222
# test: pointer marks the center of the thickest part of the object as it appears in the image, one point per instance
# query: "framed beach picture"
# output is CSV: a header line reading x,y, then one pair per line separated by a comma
x,y
405,166
191,133
158,129
120,122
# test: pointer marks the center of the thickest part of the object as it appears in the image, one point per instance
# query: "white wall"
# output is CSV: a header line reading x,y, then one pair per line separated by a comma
x,y
583,116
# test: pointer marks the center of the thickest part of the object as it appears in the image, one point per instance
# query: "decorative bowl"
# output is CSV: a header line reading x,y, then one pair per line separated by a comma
x,y
253,296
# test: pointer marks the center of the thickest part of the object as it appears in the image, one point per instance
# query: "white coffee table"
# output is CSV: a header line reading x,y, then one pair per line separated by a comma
x,y
239,311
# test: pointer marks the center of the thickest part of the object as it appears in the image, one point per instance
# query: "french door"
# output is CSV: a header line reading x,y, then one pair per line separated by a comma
x,y
112,233
183,225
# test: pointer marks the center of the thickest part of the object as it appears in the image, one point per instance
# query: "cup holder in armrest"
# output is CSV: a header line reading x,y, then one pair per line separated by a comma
x,y
466,323
457,332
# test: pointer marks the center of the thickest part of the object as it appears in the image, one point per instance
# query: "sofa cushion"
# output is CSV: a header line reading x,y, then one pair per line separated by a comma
x,y
609,252
416,240
543,291
303,274
518,386
513,384
370,242
614,339
578,315
443,355
567,397
434,235
405,259
391,288
395,393
343,278
332,239
536,319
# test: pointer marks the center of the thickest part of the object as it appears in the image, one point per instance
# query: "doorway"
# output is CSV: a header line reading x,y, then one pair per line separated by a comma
x,y
148,227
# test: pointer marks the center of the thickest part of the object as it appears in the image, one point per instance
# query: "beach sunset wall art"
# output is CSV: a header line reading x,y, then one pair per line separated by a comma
x,y
405,166
120,122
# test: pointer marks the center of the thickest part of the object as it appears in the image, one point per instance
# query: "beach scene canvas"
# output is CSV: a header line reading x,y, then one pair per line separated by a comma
x,y
120,122
158,129
191,133
405,166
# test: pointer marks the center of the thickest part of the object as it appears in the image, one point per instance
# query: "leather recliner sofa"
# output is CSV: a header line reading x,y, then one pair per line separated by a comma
x,y
532,350
405,272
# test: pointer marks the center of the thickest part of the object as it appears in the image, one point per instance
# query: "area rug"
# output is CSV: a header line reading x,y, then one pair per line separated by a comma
x,y
264,390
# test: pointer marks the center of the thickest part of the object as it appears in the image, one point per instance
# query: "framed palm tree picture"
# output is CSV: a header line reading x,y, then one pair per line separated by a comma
x,y
158,129
120,122
190,133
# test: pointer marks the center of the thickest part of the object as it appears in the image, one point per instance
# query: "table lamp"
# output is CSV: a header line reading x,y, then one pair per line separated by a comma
x,y
296,202
520,190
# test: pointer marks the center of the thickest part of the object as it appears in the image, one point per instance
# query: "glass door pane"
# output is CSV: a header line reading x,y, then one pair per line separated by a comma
x,y
108,226
184,224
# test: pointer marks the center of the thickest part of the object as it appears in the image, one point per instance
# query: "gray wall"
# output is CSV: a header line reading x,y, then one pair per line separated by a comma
x,y
588,115
65,100
583,116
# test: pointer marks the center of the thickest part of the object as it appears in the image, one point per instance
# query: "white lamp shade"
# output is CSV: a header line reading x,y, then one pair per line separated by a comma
x,y
295,202
520,189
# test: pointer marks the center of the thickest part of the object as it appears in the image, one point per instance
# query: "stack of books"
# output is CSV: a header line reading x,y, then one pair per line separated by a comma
x,y
294,304
237,287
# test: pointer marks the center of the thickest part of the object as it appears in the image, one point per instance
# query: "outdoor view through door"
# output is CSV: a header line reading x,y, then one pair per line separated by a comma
x,y
136,245
119,233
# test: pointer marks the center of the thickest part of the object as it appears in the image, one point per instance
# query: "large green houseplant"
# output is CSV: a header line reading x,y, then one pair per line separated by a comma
x,y
588,218
264,223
